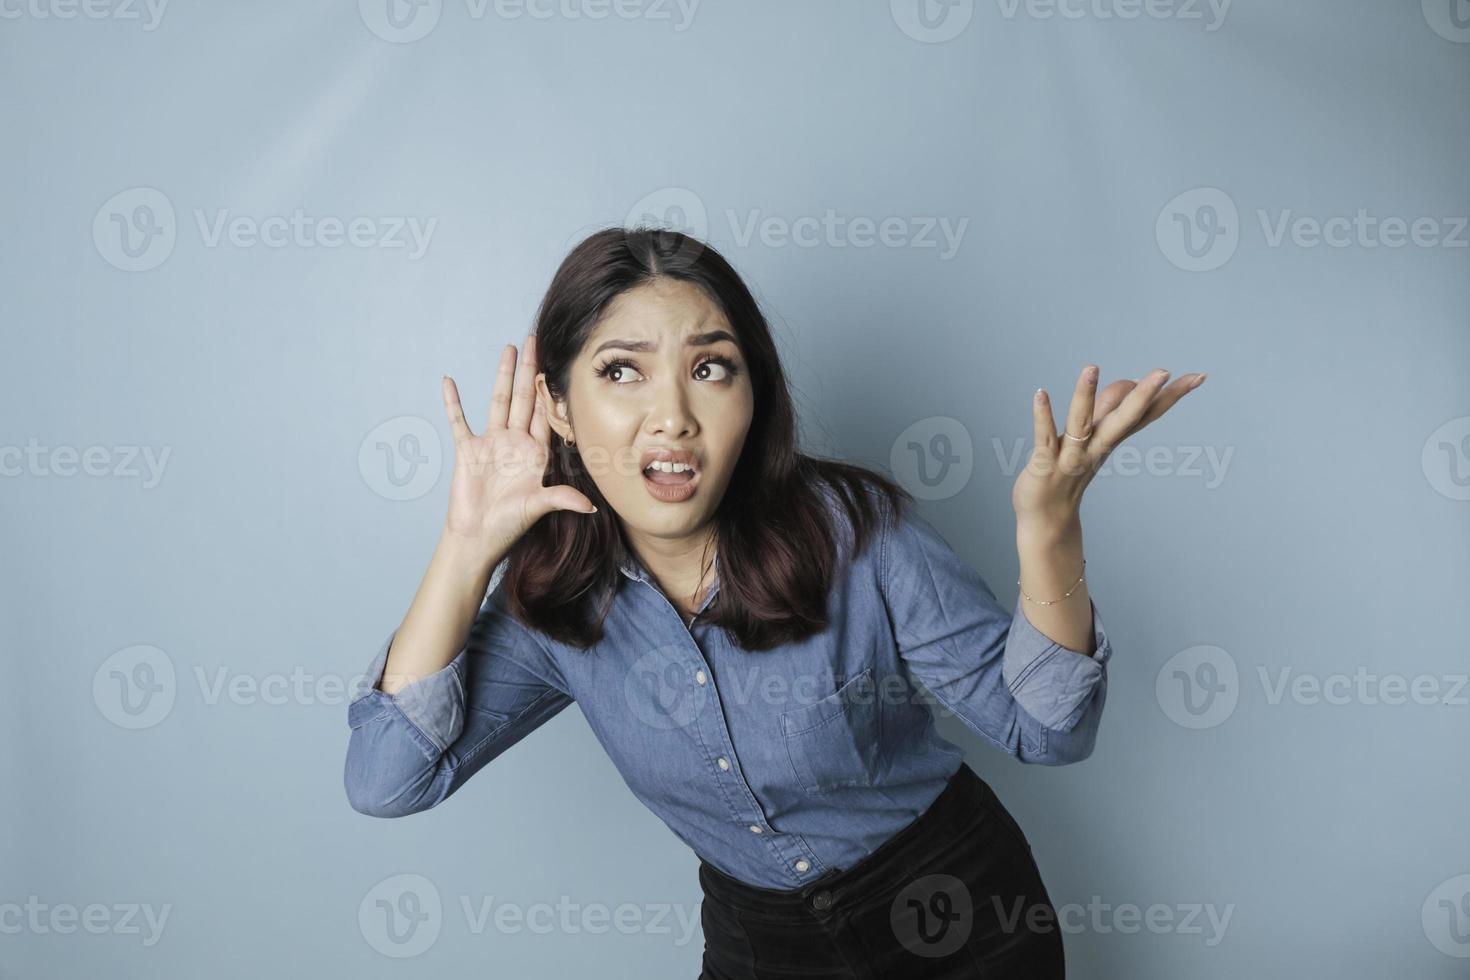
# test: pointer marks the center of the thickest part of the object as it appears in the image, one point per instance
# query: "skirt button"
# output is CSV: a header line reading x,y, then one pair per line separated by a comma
x,y
822,901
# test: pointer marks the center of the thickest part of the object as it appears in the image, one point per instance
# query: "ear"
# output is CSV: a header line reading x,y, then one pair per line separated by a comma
x,y
556,411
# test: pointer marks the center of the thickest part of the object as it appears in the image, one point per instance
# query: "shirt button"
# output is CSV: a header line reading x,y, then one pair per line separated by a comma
x,y
754,829
724,763
802,865
699,676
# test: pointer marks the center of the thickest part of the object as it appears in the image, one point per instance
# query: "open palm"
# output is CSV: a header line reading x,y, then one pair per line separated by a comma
x,y
496,494
1049,488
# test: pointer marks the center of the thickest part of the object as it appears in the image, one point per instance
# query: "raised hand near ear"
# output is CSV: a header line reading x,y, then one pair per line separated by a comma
x,y
496,494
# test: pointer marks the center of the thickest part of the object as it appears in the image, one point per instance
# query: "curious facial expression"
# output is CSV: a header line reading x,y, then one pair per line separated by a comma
x,y
662,374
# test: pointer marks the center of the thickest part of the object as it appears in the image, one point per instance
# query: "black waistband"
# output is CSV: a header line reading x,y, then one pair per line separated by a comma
x,y
953,812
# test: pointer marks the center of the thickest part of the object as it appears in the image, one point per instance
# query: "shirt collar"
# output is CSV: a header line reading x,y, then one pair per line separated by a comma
x,y
630,566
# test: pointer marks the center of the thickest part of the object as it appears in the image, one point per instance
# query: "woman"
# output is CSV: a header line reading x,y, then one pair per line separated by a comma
x,y
741,625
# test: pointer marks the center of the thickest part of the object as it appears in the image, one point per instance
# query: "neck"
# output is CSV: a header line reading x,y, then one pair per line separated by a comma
x,y
682,567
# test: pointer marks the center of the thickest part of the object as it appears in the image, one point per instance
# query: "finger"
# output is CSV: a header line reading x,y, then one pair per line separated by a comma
x,y
500,396
523,399
1166,399
564,497
1079,420
1079,413
540,427
1123,420
1045,433
455,411
1110,398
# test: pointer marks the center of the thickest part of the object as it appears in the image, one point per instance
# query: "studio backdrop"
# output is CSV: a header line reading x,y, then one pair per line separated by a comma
x,y
245,241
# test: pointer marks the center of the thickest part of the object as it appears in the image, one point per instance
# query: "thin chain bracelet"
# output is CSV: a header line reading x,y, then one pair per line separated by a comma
x,y
1050,602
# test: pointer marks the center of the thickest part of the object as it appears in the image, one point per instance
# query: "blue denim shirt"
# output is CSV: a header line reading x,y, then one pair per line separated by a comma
x,y
773,766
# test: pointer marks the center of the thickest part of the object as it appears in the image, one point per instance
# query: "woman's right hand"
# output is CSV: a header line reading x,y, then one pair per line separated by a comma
x,y
496,493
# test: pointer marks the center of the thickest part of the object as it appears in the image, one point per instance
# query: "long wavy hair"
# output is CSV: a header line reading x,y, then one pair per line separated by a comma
x,y
775,538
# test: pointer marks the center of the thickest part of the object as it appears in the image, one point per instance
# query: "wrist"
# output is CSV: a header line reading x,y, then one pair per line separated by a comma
x,y
466,558
1049,532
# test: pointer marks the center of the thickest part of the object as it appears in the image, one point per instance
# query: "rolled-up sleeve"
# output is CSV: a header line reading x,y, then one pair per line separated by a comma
x,y
1005,679
411,750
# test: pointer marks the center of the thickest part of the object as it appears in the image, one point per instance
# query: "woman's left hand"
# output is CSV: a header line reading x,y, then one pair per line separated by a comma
x,y
1048,493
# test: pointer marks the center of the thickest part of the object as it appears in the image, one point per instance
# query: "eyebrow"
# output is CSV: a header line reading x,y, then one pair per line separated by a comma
x,y
694,340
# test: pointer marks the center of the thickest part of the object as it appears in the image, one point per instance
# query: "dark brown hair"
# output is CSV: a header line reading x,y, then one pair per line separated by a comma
x,y
774,532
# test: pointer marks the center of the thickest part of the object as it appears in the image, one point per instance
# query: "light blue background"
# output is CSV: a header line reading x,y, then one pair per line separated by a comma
x,y
1334,539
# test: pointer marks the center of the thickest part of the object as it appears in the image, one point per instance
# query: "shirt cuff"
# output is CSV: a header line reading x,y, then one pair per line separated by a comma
x,y
1048,680
434,704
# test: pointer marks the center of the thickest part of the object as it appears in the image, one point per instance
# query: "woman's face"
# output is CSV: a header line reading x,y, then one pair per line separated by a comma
x,y
660,372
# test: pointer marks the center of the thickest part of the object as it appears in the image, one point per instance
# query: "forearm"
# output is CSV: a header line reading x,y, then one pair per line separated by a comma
x,y
439,619
1051,561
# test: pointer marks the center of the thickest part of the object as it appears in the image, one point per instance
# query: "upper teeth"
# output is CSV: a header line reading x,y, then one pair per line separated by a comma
x,y
669,467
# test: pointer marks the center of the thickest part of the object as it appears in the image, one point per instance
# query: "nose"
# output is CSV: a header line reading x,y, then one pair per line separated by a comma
x,y
670,416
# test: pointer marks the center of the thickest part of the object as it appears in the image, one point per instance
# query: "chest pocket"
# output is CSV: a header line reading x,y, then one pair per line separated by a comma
x,y
834,742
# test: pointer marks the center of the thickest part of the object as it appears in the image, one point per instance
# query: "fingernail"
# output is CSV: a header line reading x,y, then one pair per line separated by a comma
x,y
1198,381
1092,375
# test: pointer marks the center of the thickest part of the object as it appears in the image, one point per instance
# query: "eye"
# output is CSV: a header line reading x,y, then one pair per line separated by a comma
x,y
721,364
616,365
716,367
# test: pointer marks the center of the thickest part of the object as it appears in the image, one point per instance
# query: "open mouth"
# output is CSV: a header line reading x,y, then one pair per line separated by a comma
x,y
669,475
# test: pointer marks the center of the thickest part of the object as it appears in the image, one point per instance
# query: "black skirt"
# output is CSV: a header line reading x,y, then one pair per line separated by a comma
x,y
956,894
